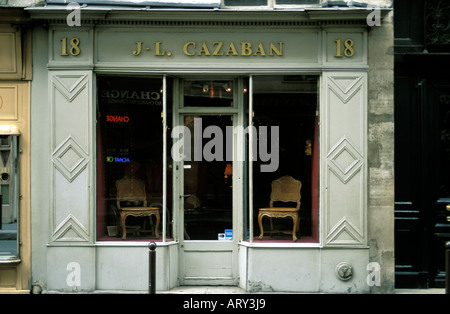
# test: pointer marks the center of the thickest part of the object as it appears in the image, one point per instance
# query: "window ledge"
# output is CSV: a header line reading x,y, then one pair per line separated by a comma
x,y
12,261
280,245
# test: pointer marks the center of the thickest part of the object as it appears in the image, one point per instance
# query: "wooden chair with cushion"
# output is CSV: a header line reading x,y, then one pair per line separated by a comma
x,y
132,201
284,189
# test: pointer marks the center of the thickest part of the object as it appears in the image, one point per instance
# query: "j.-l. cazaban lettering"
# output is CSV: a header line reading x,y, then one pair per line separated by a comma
x,y
215,48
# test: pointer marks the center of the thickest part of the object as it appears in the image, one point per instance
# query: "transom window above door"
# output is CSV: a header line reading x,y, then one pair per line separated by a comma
x,y
208,93
269,3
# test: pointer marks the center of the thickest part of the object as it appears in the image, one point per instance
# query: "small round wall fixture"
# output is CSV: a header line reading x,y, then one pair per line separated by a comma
x,y
344,271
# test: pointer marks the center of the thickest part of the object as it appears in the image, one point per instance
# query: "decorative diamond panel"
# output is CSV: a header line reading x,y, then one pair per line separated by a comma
x,y
70,158
345,160
71,203
344,166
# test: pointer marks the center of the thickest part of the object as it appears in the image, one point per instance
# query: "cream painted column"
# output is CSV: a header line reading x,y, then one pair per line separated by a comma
x,y
344,159
71,217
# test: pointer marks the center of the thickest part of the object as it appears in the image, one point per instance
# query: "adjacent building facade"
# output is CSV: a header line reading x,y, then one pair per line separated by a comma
x,y
207,104
15,84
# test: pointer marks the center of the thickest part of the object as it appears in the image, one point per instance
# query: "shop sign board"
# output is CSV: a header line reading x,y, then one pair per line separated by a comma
x,y
175,48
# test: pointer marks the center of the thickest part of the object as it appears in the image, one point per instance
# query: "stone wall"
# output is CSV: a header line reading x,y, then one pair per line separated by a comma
x,y
381,148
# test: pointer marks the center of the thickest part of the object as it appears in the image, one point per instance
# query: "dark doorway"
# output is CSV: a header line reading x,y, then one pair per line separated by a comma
x,y
422,143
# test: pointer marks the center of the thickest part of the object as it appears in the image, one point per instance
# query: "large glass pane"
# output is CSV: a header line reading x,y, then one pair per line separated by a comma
x,y
129,151
9,200
286,106
208,180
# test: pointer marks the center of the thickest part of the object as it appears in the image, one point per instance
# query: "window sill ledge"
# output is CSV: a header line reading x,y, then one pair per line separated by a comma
x,y
13,261
261,244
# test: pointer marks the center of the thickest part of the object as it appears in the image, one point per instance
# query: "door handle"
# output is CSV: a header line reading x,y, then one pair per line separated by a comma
x,y
448,207
185,196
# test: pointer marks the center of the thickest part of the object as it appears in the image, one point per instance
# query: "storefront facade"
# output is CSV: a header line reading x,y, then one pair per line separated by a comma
x,y
208,107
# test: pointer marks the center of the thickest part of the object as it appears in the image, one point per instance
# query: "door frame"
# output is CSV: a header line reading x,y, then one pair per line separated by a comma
x,y
210,247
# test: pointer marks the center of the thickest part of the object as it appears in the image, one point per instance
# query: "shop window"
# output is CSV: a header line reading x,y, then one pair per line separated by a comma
x,y
9,198
129,145
290,104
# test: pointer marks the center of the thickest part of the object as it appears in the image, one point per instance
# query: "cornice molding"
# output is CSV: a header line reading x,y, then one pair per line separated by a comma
x,y
272,24
220,18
